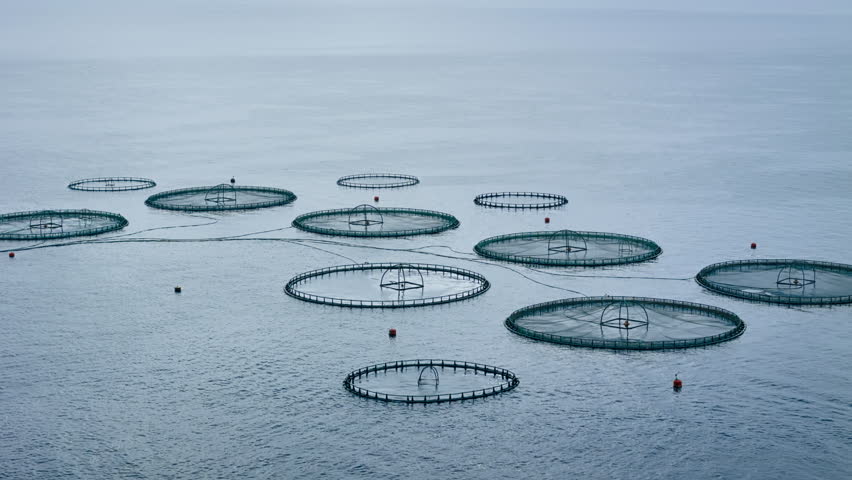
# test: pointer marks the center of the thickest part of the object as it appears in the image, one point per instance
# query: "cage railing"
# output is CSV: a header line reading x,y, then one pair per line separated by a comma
x,y
286,196
452,222
82,185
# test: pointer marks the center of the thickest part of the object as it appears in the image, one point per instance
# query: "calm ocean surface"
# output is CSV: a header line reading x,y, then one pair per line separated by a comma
x,y
703,147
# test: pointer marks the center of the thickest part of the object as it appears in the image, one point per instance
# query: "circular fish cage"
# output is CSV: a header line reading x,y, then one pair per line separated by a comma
x,y
112,184
386,285
520,200
780,281
626,323
378,180
369,221
429,381
220,198
568,248
50,224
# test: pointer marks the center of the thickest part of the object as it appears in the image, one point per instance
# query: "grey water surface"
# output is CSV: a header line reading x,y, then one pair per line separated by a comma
x,y
702,132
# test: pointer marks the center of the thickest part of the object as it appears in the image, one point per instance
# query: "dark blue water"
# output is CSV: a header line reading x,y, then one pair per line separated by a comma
x,y
702,146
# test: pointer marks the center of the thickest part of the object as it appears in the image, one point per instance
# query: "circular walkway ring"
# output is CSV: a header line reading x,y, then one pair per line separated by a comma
x,y
355,181
112,184
723,289
158,199
549,200
737,324
481,248
291,287
450,222
510,381
56,231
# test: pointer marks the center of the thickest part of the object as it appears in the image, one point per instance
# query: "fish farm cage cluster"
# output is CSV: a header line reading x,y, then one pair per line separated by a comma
x,y
53,224
220,197
568,248
397,285
781,281
112,184
520,200
378,180
609,322
369,221
427,373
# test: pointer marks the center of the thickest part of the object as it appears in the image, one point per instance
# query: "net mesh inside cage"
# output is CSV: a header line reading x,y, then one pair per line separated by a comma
x,y
49,224
626,323
386,285
568,248
429,381
369,221
520,200
220,197
782,281
111,184
378,180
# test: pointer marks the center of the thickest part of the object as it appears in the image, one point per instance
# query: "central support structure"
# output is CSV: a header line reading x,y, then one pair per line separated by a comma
x,y
792,276
567,242
624,316
365,216
428,376
402,278
221,194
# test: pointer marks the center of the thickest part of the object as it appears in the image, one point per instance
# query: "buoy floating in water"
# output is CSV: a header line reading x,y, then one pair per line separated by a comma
x,y
546,219
677,384
177,289
11,254
753,245
233,181
392,332
376,198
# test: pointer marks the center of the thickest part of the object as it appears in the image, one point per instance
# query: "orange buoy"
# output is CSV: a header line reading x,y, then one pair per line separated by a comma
x,y
677,384
11,254
753,245
376,198
177,289
546,219
392,332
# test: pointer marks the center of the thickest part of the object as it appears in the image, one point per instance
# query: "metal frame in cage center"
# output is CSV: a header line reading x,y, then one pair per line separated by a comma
x,y
112,184
565,248
548,200
510,381
370,221
354,180
396,276
795,277
614,316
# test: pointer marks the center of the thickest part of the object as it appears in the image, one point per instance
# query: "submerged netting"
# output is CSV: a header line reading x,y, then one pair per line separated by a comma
x,y
49,224
784,281
568,248
220,197
386,285
111,184
626,323
378,180
521,200
369,221
429,381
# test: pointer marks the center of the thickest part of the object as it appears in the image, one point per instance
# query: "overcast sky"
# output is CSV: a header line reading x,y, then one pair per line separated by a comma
x,y
116,28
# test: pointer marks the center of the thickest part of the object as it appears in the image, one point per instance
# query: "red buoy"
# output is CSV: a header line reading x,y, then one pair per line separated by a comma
x,y
11,254
677,384
376,198
546,219
753,245
392,332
